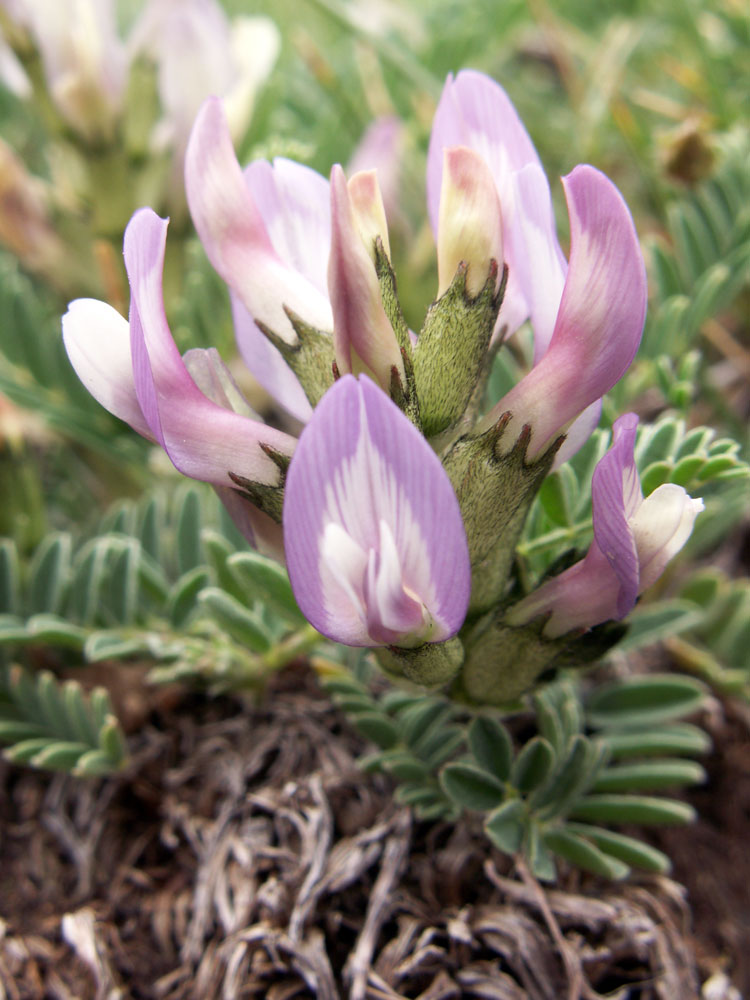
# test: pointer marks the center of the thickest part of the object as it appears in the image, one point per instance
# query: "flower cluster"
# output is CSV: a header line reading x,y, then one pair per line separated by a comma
x,y
398,508
116,111
87,66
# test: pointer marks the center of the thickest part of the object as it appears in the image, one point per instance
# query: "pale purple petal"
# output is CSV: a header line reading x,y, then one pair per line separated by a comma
x,y
372,529
363,337
539,262
97,339
615,495
234,234
381,148
470,229
261,531
215,380
579,598
203,440
578,433
294,203
634,539
267,365
600,320
475,111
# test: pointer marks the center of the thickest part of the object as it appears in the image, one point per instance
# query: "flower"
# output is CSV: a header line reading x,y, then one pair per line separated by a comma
x,y
189,406
469,221
587,314
634,539
475,112
84,60
363,338
196,50
380,548
600,320
271,274
374,540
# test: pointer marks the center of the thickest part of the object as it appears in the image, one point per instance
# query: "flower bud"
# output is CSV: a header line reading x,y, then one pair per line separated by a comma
x,y
470,222
363,338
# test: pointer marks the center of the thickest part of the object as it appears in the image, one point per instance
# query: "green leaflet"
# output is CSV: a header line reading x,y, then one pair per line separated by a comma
x,y
54,725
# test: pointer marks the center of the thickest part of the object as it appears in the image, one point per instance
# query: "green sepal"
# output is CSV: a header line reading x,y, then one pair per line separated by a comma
x,y
403,392
432,665
389,297
452,347
494,490
503,661
268,499
311,358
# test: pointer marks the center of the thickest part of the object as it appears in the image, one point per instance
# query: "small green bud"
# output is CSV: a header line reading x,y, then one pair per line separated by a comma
x,y
432,665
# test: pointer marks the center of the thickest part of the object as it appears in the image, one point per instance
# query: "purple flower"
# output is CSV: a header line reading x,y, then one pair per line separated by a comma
x,y
269,233
469,220
475,111
293,204
634,539
363,337
375,544
190,406
234,233
600,320
587,314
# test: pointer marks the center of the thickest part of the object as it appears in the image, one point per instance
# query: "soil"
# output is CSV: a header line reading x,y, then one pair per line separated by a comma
x,y
243,855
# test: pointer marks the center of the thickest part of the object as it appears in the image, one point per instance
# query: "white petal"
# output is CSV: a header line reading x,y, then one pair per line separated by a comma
x,y
97,339
661,526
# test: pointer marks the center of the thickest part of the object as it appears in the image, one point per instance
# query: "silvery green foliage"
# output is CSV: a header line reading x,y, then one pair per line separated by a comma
x,y
715,646
54,725
705,262
172,582
35,373
594,762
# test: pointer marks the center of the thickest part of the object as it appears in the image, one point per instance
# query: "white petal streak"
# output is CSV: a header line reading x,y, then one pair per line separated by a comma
x,y
393,614
362,494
